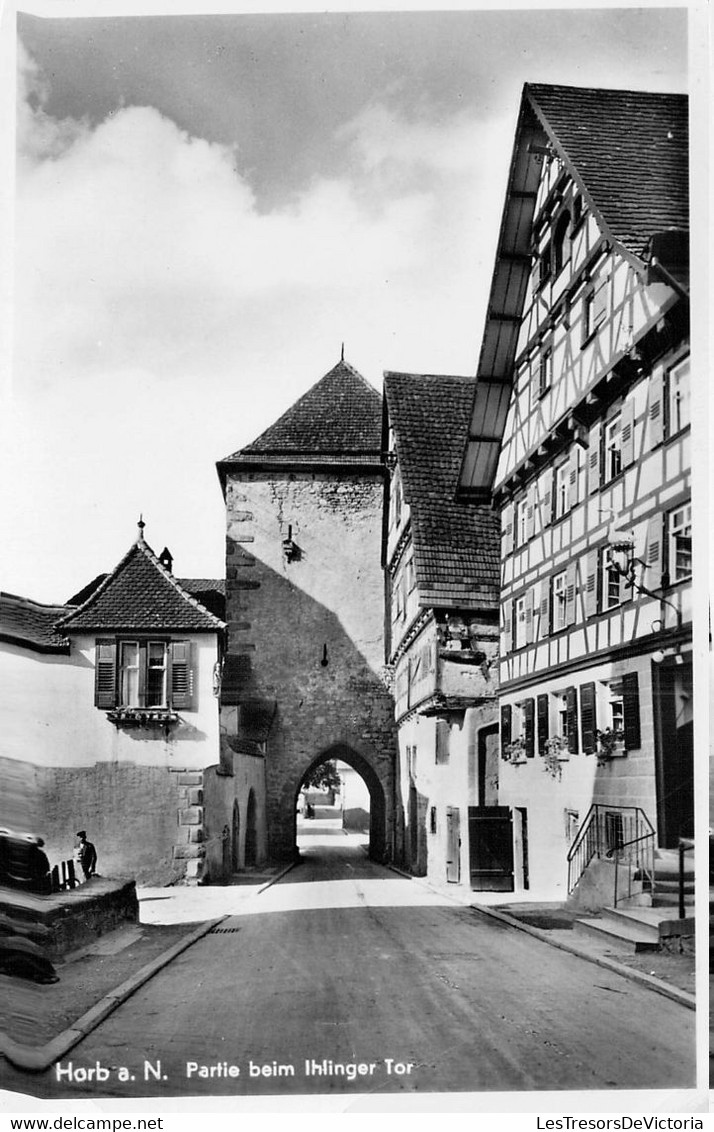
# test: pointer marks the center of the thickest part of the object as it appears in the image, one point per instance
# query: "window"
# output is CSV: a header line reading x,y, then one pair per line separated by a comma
x,y
521,632
411,578
679,397
561,242
594,308
522,522
143,674
559,601
562,480
613,448
679,543
577,210
545,379
611,584
561,715
544,267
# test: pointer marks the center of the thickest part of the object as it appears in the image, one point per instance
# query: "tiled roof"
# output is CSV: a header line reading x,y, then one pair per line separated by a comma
x,y
141,594
456,545
211,592
32,625
628,149
337,420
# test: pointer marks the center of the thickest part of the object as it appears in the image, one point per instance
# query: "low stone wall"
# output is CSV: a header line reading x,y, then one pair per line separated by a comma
x,y
69,920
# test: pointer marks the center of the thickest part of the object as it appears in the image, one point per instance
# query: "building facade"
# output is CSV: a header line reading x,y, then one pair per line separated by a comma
x,y
586,351
441,564
112,723
304,677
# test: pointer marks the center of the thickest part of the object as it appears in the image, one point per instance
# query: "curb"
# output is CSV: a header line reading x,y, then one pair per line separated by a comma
x,y
680,996
36,1059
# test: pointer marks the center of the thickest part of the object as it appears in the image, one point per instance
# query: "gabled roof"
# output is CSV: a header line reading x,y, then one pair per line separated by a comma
x,y
140,595
456,545
338,421
627,151
32,624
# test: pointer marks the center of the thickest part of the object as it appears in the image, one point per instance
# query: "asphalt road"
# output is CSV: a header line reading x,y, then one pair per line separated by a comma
x,y
344,963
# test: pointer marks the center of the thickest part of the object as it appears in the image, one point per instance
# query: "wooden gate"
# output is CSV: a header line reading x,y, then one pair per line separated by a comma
x,y
491,848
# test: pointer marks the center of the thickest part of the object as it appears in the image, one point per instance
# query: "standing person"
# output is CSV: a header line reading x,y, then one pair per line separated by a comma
x,y
87,854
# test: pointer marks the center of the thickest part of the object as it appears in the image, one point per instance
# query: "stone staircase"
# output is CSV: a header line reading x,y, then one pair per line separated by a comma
x,y
647,922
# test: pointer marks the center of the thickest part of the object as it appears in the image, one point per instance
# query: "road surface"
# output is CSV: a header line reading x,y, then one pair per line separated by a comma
x,y
345,976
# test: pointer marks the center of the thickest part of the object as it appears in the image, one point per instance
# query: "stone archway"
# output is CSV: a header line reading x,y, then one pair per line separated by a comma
x,y
235,838
251,833
378,836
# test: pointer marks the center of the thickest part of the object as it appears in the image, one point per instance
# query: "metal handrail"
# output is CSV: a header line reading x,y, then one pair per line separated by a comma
x,y
594,839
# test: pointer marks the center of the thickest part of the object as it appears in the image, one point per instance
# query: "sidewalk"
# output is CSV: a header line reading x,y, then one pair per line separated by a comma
x,y
96,979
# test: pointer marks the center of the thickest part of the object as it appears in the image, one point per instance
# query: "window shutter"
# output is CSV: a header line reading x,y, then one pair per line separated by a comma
x,y
653,555
530,512
543,728
587,717
529,616
571,704
181,675
655,415
506,720
591,587
529,727
594,459
627,433
544,627
508,625
508,529
599,307
631,711
574,461
570,594
546,497
105,674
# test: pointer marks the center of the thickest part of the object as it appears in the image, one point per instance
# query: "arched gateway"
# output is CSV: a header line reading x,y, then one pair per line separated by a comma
x,y
379,828
303,678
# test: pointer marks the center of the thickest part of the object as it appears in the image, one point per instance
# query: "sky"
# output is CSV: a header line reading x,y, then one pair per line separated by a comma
x,y
206,207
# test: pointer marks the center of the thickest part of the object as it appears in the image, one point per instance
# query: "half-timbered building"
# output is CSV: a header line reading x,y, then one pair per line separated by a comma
x,y
441,562
584,382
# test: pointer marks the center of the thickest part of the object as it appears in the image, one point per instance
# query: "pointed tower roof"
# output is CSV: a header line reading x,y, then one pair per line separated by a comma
x,y
337,422
140,595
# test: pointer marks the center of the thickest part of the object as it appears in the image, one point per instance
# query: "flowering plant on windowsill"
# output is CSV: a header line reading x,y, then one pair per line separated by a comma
x,y
556,751
611,744
515,751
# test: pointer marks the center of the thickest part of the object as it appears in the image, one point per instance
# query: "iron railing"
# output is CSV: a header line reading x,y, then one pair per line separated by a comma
x,y
623,834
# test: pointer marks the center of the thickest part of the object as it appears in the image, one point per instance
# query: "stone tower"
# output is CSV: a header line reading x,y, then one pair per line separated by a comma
x,y
304,676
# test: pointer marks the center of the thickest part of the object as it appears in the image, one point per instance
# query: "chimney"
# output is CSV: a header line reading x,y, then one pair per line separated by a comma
x,y
166,559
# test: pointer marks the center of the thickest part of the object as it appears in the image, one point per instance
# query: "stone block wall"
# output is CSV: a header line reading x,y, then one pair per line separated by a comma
x,y
305,612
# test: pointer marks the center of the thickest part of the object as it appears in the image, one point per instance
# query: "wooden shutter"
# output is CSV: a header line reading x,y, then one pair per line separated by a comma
x,y
543,722
592,562
574,462
506,725
655,411
529,616
181,674
105,674
544,627
588,717
631,711
594,458
571,704
529,727
653,553
599,305
546,497
508,626
507,528
530,511
570,576
627,433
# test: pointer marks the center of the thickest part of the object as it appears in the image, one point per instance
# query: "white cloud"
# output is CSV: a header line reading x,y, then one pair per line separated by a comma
x,y
154,299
